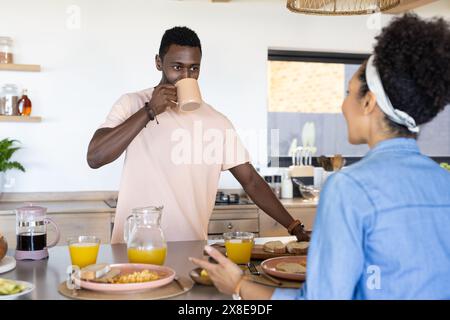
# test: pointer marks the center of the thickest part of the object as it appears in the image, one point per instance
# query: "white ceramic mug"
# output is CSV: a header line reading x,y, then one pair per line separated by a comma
x,y
188,93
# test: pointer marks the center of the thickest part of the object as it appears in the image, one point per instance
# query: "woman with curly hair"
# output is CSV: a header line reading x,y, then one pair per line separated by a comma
x,y
381,229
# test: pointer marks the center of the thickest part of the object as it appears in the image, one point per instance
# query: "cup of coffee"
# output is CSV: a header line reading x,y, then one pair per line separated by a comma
x,y
188,92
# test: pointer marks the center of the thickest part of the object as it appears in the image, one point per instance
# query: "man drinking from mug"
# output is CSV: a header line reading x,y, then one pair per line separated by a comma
x,y
174,158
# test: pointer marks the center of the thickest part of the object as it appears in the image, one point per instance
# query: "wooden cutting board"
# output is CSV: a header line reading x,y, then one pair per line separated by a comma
x,y
258,252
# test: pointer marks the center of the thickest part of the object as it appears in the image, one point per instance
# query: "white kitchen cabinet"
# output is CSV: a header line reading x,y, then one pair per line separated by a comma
x,y
81,224
230,219
270,228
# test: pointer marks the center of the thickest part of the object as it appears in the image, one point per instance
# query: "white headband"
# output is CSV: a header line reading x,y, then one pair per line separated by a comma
x,y
374,83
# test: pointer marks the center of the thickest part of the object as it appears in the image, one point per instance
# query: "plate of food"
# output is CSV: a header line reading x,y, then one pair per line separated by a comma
x,y
127,277
289,268
11,289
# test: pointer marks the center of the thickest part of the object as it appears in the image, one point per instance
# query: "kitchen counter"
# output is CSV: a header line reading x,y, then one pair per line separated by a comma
x,y
99,206
94,213
79,206
46,275
287,203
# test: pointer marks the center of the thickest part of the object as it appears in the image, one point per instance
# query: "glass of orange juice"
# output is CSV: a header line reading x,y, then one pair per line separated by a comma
x,y
239,246
83,250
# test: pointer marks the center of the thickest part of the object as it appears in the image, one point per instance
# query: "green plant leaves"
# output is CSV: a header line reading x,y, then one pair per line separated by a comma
x,y
7,150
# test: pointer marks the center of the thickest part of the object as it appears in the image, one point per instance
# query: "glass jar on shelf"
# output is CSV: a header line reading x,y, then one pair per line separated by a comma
x,y
9,98
6,52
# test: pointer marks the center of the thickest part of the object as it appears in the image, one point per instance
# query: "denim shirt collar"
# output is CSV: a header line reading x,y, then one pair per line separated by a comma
x,y
395,145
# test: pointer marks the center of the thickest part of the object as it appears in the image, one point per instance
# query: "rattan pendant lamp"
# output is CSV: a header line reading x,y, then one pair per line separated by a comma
x,y
341,7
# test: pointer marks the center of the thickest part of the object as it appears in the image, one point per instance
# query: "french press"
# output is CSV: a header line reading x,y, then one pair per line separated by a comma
x,y
31,231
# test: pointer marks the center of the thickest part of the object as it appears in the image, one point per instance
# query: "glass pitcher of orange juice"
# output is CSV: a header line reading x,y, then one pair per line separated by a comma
x,y
144,236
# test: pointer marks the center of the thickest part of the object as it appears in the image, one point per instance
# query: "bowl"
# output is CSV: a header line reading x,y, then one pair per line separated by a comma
x,y
309,192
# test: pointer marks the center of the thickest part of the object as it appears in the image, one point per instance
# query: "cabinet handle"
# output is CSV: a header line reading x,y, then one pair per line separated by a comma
x,y
230,226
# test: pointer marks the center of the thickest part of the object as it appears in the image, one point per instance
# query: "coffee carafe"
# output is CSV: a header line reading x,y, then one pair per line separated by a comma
x,y
31,231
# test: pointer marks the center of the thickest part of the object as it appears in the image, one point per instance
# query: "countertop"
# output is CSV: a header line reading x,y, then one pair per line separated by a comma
x,y
79,206
47,274
287,203
96,206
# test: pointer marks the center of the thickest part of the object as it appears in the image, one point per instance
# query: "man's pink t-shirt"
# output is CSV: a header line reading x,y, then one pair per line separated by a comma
x,y
175,164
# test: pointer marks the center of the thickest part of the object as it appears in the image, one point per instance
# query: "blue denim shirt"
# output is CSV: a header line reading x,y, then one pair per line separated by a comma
x,y
382,230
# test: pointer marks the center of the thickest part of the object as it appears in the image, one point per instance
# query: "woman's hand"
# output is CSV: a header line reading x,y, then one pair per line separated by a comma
x,y
225,274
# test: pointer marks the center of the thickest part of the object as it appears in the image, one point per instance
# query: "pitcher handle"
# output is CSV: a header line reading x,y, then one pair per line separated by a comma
x,y
58,234
126,229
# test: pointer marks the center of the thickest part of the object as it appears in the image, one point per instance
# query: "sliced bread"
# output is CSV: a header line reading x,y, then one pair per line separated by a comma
x,y
274,247
290,267
94,271
109,277
295,247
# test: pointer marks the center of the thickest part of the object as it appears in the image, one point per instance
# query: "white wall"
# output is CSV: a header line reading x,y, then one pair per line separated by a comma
x,y
84,70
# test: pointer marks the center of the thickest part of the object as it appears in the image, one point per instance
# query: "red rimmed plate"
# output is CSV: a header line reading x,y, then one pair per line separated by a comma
x,y
166,275
269,267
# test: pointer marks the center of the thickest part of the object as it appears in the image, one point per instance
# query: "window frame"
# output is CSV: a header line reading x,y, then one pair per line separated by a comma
x,y
321,57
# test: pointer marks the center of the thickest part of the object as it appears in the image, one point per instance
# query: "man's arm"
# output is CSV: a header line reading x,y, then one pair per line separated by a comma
x,y
108,144
264,198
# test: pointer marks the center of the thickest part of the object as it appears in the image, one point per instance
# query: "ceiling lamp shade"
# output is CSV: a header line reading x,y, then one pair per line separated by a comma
x,y
341,7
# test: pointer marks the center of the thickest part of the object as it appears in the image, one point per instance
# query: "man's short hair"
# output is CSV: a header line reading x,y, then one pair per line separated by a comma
x,y
181,36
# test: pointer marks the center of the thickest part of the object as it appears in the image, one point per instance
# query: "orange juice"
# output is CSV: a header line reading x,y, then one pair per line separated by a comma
x,y
83,253
239,251
150,256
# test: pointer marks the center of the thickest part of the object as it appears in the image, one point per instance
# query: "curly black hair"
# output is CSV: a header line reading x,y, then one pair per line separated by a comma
x,y
412,56
181,36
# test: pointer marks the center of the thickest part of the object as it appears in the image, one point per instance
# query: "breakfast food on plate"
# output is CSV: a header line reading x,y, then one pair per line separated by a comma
x,y
141,276
109,277
291,267
3,247
94,271
103,273
295,247
8,287
274,247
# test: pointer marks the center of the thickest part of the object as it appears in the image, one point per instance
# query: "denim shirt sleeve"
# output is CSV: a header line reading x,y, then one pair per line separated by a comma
x,y
336,255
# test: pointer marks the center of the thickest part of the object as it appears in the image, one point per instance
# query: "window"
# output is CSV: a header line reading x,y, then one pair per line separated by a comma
x,y
310,87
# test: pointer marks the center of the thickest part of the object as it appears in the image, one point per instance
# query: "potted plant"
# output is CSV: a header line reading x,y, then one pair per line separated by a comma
x,y
7,149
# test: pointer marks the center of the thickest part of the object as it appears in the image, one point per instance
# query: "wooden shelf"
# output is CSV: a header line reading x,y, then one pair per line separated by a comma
x,y
20,67
20,119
